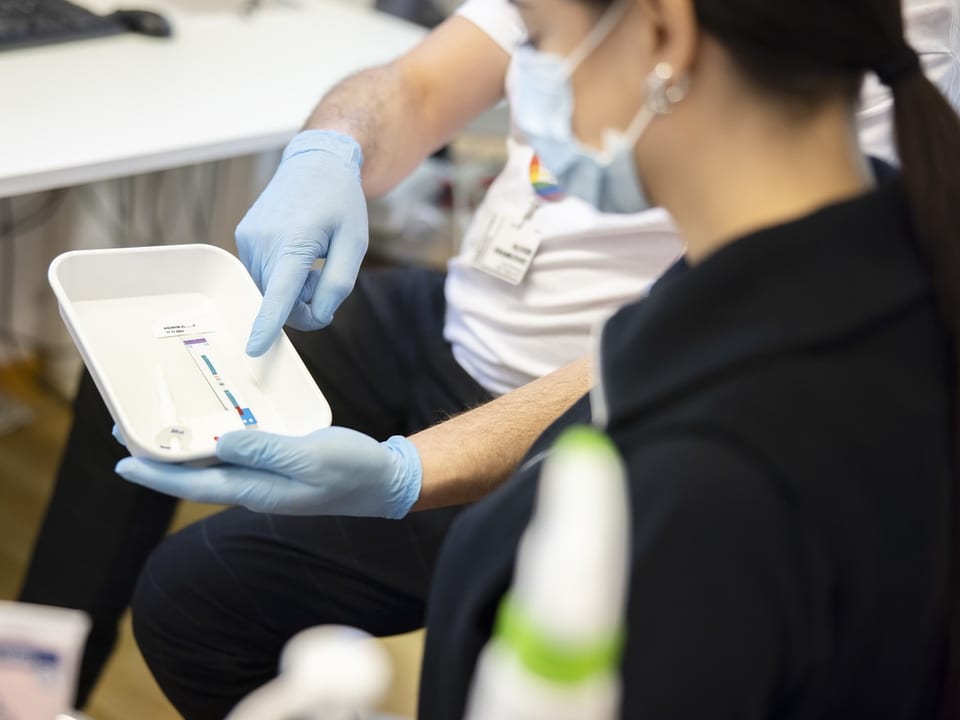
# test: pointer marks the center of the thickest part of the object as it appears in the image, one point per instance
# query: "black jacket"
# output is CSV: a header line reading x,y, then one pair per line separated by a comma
x,y
784,410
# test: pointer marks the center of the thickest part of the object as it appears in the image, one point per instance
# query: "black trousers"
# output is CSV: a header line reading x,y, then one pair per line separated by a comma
x,y
216,602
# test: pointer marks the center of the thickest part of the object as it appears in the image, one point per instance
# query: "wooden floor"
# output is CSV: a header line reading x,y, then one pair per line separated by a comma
x,y
28,459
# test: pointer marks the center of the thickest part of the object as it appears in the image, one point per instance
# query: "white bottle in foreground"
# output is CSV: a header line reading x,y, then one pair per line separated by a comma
x,y
330,672
556,646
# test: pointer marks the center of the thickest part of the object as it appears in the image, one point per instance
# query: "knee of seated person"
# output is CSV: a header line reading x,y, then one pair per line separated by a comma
x,y
189,622
167,602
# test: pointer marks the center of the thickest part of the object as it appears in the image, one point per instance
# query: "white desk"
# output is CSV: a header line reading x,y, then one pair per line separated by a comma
x,y
225,85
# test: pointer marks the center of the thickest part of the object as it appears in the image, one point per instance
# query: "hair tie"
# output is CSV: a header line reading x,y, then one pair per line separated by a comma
x,y
898,65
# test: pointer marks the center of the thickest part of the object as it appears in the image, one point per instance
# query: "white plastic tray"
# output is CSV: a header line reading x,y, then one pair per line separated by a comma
x,y
163,331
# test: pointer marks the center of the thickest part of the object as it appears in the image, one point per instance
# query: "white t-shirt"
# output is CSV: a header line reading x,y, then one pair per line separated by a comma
x,y
589,264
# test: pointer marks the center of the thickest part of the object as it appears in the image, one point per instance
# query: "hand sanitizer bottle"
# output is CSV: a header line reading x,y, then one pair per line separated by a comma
x,y
556,646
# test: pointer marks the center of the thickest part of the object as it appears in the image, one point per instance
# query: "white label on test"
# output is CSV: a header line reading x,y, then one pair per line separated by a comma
x,y
175,328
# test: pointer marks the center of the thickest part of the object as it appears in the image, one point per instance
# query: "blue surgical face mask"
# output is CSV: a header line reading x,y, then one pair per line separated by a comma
x,y
541,102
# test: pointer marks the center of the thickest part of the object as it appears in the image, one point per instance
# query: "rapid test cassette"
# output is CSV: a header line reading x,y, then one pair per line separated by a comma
x,y
163,331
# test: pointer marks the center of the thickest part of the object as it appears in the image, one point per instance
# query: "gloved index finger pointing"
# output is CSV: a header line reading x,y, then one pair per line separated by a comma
x,y
283,289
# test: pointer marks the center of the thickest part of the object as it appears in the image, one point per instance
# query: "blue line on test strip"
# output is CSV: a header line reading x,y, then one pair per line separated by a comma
x,y
245,413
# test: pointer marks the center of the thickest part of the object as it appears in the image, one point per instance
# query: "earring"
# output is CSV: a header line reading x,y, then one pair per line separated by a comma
x,y
662,94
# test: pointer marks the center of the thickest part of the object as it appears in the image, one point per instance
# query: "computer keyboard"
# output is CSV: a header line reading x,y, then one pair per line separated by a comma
x,y
37,22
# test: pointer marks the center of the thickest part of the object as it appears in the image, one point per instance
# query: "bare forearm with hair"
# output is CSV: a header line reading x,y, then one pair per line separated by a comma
x,y
403,111
378,108
471,454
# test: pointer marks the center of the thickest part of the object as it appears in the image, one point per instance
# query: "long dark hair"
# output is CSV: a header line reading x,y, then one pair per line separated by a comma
x,y
809,52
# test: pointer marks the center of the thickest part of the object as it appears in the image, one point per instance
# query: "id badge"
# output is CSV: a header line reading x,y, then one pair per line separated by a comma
x,y
507,248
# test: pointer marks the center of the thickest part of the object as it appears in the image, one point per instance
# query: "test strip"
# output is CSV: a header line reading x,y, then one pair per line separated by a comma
x,y
200,351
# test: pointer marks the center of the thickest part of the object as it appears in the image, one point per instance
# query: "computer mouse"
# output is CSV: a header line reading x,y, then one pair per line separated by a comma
x,y
145,22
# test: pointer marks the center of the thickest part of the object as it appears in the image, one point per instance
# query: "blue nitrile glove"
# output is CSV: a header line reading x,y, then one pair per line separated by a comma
x,y
334,471
314,207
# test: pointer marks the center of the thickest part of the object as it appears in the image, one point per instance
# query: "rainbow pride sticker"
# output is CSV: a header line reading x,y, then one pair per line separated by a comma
x,y
544,184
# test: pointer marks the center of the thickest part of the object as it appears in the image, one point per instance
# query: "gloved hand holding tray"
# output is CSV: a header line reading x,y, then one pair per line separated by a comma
x,y
162,330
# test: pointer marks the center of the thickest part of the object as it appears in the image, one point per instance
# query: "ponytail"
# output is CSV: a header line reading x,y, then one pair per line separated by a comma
x,y
928,142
